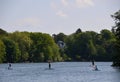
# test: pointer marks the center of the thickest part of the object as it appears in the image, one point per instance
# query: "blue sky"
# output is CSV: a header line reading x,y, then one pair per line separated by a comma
x,y
55,16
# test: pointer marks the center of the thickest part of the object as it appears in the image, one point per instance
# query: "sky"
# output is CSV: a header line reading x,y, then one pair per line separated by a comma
x,y
55,16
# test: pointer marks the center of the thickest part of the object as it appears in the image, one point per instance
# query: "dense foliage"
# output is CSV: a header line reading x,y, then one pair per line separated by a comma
x,y
88,46
27,47
116,31
41,47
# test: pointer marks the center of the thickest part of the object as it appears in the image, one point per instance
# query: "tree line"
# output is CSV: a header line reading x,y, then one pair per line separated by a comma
x,y
27,47
78,46
41,47
87,46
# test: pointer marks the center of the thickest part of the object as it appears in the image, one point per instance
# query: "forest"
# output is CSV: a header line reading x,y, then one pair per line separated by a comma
x,y
78,46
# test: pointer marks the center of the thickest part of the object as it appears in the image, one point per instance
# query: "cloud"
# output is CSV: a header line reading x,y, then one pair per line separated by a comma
x,y
57,8
61,14
84,3
68,5
65,2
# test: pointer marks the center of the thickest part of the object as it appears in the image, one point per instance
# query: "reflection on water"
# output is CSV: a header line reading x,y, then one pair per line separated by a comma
x,y
60,72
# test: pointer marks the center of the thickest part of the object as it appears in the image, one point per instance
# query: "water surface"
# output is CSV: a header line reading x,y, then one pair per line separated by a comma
x,y
60,72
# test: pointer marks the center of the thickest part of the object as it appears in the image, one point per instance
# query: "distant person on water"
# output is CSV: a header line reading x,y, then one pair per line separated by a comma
x,y
93,63
9,66
49,65
94,66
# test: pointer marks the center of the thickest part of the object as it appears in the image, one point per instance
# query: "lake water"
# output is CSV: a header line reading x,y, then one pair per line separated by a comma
x,y
60,72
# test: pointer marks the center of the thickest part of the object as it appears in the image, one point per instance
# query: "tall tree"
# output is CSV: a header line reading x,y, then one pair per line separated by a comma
x,y
116,31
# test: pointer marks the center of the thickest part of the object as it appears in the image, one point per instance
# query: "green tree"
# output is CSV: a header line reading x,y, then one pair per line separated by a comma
x,y
2,52
3,32
24,42
116,31
91,50
56,54
59,37
43,43
78,45
107,41
12,50
70,49
107,35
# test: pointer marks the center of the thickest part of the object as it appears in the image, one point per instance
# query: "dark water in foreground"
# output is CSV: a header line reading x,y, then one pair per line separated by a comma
x,y
61,72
